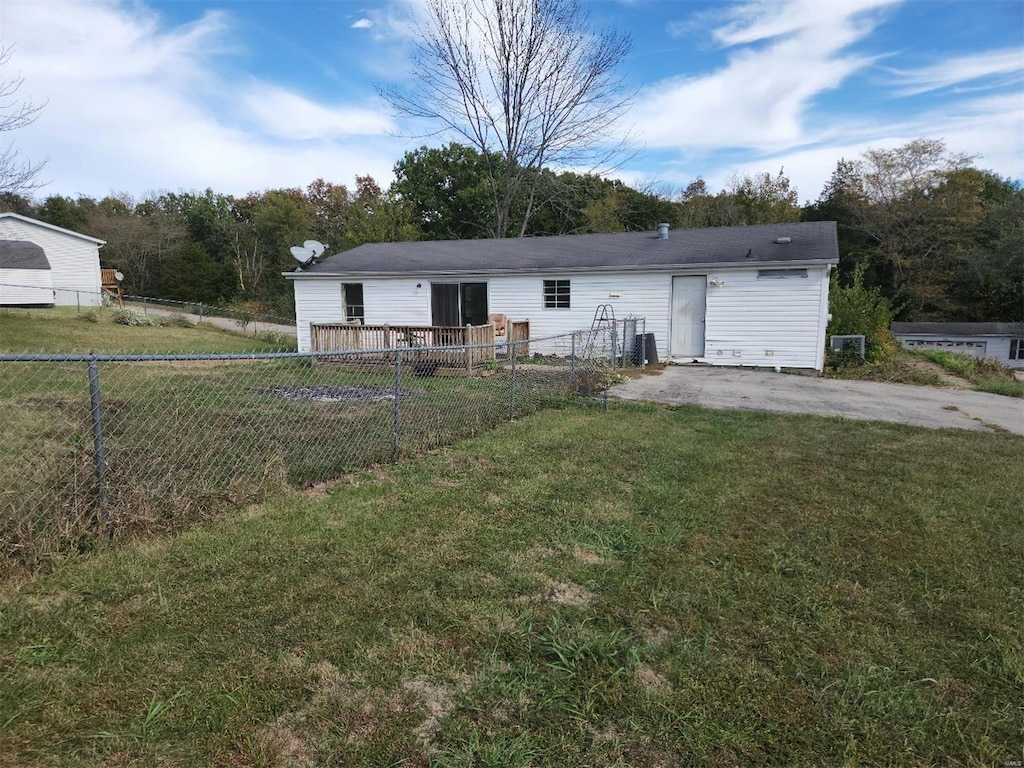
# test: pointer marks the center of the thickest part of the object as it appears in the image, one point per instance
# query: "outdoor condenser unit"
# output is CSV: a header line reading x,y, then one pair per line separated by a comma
x,y
847,344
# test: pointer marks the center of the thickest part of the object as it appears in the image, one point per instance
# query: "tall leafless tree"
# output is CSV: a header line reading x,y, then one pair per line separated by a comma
x,y
526,82
17,174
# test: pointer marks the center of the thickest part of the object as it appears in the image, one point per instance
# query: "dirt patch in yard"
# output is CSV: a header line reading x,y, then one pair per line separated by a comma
x,y
946,378
334,394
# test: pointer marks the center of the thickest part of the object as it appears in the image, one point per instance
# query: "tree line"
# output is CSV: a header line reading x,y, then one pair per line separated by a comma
x,y
939,237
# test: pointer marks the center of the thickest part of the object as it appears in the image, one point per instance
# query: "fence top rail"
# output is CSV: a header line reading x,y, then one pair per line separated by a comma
x,y
105,357
395,326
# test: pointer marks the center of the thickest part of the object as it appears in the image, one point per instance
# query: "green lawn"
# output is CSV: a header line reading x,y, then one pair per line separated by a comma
x,y
64,329
641,586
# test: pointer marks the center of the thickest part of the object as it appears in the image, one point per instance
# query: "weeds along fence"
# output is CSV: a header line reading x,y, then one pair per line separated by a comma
x,y
103,445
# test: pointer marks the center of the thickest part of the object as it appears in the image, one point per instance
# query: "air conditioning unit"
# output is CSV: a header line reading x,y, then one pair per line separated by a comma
x,y
847,344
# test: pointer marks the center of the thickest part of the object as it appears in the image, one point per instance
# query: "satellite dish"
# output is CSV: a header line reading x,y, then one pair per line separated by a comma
x,y
315,246
307,253
302,255
118,276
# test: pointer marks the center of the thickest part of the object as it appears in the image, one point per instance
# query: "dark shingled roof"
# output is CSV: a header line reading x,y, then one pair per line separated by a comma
x,y
21,254
634,251
959,329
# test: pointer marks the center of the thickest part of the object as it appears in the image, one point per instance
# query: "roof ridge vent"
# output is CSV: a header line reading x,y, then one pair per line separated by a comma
x,y
783,240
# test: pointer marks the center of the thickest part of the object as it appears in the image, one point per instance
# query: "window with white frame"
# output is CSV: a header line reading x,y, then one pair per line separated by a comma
x,y
1016,349
352,299
556,294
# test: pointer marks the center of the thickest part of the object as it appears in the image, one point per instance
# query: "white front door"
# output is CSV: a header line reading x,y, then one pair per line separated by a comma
x,y
689,301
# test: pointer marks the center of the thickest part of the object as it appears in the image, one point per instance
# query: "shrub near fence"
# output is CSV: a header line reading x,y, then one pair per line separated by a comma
x,y
125,444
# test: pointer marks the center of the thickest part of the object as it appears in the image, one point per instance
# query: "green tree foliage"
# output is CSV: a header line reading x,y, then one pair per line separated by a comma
x,y
193,275
764,199
66,212
858,309
447,190
757,199
939,237
12,202
376,216
139,237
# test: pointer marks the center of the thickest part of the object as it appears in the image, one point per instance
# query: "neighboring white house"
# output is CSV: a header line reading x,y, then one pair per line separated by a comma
x,y
44,264
755,296
999,341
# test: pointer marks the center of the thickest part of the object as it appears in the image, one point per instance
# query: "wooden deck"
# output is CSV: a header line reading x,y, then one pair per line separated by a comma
x,y
427,347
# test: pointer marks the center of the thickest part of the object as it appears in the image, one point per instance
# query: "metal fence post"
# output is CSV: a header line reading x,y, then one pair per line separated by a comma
x,y
512,385
643,344
396,423
99,449
78,301
614,339
572,364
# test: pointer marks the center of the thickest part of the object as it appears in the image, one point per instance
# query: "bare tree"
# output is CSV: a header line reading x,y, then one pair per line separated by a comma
x,y
526,82
17,173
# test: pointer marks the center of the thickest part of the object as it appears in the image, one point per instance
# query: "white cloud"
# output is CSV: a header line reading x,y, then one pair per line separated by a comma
x,y
362,24
768,19
136,105
287,115
784,57
759,99
990,129
962,69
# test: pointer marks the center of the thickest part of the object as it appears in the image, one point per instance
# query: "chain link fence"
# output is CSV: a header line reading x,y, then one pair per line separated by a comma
x,y
103,445
86,301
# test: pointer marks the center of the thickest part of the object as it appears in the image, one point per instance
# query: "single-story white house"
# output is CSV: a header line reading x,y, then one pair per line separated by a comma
x,y
755,295
44,264
999,341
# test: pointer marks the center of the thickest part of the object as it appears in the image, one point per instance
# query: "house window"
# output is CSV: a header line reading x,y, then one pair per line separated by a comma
x,y
556,294
777,274
352,299
1016,349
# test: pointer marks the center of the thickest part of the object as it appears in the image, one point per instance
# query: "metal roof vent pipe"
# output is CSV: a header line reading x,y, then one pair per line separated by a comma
x,y
663,231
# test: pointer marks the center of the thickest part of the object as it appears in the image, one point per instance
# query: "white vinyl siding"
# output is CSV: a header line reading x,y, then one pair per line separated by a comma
x,y
26,286
74,261
765,322
641,295
747,318
398,302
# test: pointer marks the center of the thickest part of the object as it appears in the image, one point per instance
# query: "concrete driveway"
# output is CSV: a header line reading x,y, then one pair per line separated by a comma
x,y
761,390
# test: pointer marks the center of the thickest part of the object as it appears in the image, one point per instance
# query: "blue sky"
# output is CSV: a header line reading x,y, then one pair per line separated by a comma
x,y
239,96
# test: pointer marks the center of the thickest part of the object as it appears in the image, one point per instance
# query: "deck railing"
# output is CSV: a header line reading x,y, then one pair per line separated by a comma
x,y
456,347
519,331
